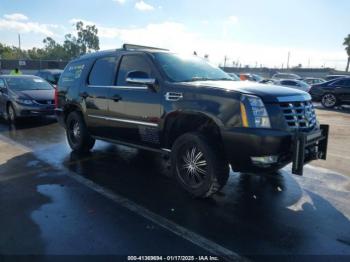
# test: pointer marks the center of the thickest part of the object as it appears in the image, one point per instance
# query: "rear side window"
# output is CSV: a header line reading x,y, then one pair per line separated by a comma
x,y
343,82
71,74
132,63
103,71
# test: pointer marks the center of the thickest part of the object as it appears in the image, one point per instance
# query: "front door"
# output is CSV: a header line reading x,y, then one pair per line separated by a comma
x,y
139,123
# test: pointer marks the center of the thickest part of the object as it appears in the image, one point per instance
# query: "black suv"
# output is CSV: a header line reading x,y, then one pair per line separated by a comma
x,y
332,93
153,99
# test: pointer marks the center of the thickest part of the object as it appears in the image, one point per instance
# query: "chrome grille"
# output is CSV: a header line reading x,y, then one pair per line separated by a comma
x,y
299,115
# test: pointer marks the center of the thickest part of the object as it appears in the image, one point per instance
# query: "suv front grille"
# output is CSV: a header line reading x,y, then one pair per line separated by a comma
x,y
299,115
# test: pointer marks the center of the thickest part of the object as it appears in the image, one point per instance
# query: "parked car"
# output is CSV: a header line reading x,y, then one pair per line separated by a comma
x,y
156,100
332,93
296,84
280,76
250,77
234,76
332,77
25,96
50,75
313,81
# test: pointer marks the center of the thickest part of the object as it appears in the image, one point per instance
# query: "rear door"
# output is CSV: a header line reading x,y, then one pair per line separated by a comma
x,y
3,96
138,124
95,93
342,89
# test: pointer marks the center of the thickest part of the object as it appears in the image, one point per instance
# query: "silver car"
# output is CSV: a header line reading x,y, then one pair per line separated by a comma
x,y
292,83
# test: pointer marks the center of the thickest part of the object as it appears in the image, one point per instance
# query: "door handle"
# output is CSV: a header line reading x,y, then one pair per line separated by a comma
x,y
116,98
84,95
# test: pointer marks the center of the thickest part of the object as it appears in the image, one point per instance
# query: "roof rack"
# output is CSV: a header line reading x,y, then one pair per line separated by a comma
x,y
136,47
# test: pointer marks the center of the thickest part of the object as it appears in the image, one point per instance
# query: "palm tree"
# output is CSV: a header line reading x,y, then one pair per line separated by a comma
x,y
347,48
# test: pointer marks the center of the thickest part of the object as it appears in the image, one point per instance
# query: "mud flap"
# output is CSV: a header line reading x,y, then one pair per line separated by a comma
x,y
303,142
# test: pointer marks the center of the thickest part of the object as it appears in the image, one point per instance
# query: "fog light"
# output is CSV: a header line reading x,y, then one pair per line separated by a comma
x,y
264,160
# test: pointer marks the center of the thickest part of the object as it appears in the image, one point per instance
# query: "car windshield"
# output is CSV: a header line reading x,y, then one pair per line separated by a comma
x,y
234,76
27,83
189,68
303,84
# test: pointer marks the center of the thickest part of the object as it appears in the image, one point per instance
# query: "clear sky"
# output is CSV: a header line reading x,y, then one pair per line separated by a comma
x,y
250,31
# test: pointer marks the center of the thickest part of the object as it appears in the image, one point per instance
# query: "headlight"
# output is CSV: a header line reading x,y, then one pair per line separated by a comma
x,y
25,101
253,112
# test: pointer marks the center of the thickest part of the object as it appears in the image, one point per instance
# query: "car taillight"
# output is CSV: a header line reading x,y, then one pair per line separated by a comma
x,y
56,97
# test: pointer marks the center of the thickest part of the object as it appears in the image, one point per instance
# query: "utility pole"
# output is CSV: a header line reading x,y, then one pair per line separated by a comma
x,y
19,41
288,59
225,59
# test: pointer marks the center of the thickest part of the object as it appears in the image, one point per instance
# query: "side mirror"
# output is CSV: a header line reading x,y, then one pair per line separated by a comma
x,y
140,78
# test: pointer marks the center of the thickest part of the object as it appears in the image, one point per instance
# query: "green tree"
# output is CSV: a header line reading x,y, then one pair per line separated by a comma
x,y
73,46
87,37
347,48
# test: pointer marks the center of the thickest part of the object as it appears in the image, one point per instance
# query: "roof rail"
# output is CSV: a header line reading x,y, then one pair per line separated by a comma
x,y
136,47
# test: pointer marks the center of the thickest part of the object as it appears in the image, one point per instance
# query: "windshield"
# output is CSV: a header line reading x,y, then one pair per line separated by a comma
x,y
188,68
234,76
27,83
303,84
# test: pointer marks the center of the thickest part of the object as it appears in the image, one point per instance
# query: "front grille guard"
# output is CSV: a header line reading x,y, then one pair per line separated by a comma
x,y
309,146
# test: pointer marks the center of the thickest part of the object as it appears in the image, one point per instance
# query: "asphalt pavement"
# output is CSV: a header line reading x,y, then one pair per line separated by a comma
x,y
118,201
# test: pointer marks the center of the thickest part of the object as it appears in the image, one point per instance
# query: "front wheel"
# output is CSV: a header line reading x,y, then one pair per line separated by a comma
x,y
78,136
198,166
329,100
11,114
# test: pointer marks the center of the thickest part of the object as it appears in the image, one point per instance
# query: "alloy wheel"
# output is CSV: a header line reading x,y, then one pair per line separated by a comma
x,y
329,100
192,166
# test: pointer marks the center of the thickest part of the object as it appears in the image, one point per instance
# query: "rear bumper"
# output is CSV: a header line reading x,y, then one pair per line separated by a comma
x,y
243,144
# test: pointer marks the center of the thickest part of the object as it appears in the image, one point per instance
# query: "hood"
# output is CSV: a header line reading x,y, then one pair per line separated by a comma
x,y
37,94
268,93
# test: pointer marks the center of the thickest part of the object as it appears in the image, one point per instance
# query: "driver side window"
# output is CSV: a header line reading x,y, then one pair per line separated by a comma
x,y
131,63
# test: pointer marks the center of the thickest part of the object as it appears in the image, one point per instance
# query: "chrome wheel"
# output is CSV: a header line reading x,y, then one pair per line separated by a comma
x,y
329,100
193,166
74,132
11,114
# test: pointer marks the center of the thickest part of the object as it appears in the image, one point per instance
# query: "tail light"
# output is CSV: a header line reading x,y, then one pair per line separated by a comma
x,y
56,97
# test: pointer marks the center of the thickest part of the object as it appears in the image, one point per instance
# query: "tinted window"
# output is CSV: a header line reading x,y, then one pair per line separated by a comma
x,y
27,83
132,63
2,83
288,83
103,72
71,74
343,82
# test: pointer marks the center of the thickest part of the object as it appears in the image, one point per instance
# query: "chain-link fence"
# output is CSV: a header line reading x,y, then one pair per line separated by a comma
x,y
30,66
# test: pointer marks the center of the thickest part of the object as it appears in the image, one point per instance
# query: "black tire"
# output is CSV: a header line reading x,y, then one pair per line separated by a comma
x,y
11,114
329,100
77,133
201,172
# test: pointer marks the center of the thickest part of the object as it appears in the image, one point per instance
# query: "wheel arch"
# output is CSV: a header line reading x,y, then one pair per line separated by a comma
x,y
178,123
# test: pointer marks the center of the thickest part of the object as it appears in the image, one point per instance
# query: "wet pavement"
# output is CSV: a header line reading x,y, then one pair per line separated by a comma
x,y
46,210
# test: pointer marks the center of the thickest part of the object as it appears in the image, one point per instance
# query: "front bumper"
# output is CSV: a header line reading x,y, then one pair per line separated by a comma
x,y
308,147
243,144
34,110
